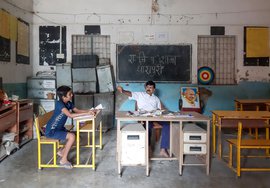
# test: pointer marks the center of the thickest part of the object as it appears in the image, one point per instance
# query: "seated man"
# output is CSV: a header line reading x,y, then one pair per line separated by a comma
x,y
147,101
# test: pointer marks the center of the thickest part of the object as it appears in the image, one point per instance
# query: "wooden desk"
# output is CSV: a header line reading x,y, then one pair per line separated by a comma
x,y
243,104
122,117
89,125
8,123
233,117
267,106
25,117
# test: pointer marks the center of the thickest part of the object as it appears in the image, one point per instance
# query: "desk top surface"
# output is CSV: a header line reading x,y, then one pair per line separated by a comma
x,y
176,116
87,117
252,101
241,114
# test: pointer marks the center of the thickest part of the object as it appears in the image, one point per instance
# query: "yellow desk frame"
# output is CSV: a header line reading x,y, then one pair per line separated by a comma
x,y
90,124
240,144
218,115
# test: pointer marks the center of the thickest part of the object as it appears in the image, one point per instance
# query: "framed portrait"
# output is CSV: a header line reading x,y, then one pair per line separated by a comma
x,y
190,97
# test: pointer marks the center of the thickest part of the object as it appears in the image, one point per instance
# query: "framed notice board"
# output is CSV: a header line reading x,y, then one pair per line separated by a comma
x,y
49,44
256,46
160,63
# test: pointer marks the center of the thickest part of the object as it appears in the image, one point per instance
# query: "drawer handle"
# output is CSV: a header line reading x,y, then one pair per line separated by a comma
x,y
195,137
195,148
133,137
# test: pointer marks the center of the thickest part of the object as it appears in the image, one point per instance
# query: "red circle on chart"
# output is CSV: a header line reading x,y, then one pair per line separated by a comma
x,y
205,75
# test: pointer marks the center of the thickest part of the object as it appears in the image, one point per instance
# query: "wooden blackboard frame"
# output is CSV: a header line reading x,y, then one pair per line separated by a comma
x,y
160,63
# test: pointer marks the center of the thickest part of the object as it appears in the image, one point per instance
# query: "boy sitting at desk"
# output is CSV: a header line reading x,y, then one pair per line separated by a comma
x,y
147,101
55,126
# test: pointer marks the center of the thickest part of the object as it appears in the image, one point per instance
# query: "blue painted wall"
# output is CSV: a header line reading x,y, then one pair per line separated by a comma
x,y
217,98
19,89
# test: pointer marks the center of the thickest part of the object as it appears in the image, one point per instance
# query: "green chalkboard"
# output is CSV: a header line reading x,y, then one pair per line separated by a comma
x,y
160,63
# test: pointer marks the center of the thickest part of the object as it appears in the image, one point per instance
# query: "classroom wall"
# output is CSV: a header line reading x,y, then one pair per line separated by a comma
x,y
135,22
212,97
14,75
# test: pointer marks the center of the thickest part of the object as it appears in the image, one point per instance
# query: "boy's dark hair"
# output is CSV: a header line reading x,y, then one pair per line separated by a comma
x,y
150,83
62,91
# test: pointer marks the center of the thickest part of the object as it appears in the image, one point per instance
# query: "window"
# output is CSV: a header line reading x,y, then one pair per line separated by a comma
x,y
218,53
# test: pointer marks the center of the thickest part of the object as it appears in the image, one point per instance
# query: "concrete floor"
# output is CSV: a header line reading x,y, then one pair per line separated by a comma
x,y
20,170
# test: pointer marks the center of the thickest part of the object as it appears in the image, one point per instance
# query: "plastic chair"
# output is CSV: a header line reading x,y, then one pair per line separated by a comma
x,y
40,122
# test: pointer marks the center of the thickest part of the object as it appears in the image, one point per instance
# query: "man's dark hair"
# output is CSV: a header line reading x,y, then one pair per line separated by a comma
x,y
150,83
62,91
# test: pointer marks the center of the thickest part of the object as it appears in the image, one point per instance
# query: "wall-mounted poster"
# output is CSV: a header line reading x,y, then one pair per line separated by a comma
x,y
50,45
190,97
22,47
4,36
256,46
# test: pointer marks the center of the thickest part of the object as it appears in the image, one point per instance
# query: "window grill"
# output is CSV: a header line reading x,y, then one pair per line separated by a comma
x,y
218,53
91,45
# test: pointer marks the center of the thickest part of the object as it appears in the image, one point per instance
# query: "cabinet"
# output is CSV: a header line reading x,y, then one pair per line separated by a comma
x,y
132,143
194,146
24,114
133,151
8,118
8,123
40,90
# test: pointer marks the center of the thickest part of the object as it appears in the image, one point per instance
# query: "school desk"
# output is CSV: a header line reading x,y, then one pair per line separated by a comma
x,y
259,104
267,106
175,119
255,118
88,124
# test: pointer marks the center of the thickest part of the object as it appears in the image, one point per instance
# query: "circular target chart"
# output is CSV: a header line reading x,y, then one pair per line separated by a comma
x,y
205,75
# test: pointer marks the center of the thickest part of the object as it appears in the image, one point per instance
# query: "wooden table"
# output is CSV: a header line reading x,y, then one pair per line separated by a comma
x,y
267,106
259,104
232,118
88,124
177,118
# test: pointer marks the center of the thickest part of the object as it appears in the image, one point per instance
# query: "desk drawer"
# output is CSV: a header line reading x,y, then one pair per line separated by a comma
x,y
195,137
194,148
7,120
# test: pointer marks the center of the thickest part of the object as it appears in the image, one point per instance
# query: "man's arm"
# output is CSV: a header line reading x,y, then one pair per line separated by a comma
x,y
121,90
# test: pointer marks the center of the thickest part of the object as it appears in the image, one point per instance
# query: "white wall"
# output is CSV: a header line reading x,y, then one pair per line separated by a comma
x,y
131,21
11,72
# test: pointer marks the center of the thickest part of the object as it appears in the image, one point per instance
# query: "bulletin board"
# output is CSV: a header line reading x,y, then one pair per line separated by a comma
x,y
4,36
49,45
256,46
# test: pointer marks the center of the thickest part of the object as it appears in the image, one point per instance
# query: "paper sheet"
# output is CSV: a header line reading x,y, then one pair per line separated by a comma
x,y
98,107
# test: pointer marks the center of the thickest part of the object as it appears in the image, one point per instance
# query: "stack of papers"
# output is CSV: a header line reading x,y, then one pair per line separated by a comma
x,y
98,107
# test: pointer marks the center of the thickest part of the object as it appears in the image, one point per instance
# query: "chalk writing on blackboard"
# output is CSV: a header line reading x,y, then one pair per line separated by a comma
x,y
153,62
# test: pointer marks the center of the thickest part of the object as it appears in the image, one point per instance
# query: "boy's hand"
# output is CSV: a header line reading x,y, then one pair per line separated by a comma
x,y
92,112
120,89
